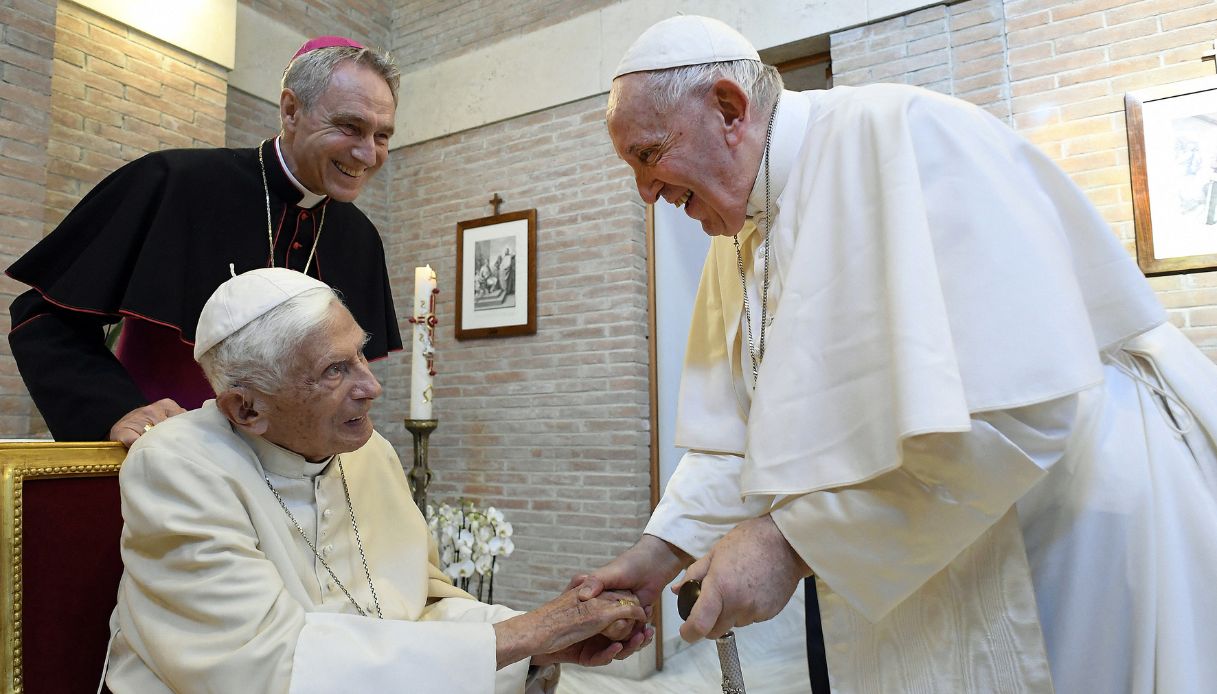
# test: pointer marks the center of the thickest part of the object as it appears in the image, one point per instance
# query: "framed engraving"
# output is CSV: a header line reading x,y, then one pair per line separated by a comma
x,y
1172,153
496,279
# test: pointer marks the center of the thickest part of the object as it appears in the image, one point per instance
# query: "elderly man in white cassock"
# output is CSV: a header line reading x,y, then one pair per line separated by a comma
x,y
923,370
271,543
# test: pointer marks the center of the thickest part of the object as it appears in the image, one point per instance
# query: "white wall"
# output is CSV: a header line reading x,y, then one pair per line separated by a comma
x,y
680,251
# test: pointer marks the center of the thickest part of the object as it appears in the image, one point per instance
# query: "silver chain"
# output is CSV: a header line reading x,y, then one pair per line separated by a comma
x,y
358,543
755,351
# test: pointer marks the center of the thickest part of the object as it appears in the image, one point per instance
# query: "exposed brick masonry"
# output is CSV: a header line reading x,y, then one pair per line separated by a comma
x,y
250,119
554,427
427,31
27,34
116,95
366,21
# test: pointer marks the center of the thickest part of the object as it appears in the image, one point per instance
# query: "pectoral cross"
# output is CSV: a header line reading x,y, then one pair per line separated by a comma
x,y
496,200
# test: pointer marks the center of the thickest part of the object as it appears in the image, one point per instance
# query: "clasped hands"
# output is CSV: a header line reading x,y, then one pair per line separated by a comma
x,y
747,576
568,629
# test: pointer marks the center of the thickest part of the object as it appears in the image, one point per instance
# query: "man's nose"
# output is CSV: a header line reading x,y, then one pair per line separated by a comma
x,y
368,387
648,188
365,151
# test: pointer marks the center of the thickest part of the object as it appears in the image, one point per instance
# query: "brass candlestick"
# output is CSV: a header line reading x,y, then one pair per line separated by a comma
x,y
420,475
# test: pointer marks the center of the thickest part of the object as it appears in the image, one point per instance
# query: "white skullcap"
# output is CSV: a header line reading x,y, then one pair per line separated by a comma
x,y
249,295
685,40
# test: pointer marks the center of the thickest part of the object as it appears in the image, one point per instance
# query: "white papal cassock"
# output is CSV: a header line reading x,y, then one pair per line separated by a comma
x,y
972,420
221,594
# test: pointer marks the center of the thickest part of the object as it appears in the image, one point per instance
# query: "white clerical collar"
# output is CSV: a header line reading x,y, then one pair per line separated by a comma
x,y
282,462
309,199
789,129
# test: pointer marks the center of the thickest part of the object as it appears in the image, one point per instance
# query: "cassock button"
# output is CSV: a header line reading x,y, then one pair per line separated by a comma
x,y
296,245
325,551
327,513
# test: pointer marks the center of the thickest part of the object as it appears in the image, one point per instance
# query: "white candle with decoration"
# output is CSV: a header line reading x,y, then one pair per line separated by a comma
x,y
422,364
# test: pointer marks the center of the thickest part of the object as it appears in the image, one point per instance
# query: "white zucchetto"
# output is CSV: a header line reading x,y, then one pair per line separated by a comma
x,y
245,297
685,40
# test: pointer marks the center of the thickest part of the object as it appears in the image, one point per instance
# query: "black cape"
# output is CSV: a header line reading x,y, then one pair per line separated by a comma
x,y
153,240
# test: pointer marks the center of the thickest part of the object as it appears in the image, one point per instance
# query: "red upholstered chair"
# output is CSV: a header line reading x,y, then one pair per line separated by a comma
x,y
59,563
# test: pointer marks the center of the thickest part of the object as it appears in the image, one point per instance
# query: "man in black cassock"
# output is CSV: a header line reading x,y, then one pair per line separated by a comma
x,y
154,239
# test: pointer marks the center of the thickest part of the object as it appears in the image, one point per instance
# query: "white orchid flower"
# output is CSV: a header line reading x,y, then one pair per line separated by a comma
x,y
484,564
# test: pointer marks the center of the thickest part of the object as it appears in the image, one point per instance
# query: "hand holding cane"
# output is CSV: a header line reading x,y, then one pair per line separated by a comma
x,y
728,656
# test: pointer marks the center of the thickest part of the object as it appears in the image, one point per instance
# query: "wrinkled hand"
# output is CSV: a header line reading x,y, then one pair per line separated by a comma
x,y
565,622
614,643
748,576
132,425
643,569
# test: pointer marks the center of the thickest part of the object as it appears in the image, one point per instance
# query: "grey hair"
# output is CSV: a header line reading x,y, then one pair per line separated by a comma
x,y
667,88
309,75
259,355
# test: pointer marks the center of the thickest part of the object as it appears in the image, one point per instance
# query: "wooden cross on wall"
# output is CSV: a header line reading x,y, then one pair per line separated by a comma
x,y
495,202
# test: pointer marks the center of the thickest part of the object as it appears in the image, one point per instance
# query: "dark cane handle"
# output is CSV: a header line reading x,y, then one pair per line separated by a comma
x,y
728,656
687,597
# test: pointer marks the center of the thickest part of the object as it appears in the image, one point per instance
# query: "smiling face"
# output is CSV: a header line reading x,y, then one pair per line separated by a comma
x,y
696,156
323,409
333,147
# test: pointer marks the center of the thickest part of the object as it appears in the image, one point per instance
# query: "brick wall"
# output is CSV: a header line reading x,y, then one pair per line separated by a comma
x,y
954,49
366,21
1057,71
117,94
27,33
554,427
250,120
427,31
82,95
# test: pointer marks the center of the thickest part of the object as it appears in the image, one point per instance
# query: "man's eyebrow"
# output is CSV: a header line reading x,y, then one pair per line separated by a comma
x,y
648,144
633,149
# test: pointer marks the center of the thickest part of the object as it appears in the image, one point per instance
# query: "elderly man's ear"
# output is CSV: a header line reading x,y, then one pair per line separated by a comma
x,y
245,408
732,105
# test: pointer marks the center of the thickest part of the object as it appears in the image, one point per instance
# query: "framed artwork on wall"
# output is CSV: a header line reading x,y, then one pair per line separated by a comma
x,y
1172,155
496,278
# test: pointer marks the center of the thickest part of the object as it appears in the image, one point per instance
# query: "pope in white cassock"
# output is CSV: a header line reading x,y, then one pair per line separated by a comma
x,y
271,543
921,369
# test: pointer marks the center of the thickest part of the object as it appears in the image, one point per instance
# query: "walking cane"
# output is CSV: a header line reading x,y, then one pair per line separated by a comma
x,y
728,656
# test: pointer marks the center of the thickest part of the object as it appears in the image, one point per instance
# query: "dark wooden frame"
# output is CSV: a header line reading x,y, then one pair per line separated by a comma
x,y
1134,105
529,326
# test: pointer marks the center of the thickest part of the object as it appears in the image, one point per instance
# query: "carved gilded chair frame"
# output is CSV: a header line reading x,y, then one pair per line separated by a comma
x,y
20,461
